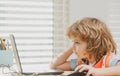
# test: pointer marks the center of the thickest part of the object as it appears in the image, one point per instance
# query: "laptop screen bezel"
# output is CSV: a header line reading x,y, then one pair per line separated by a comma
x,y
16,55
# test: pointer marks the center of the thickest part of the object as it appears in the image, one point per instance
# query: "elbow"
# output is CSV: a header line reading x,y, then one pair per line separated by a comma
x,y
53,66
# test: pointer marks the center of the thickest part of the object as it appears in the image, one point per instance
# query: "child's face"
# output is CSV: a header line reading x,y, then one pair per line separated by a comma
x,y
80,48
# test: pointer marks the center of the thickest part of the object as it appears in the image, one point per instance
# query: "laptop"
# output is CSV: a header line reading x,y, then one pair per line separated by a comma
x,y
38,70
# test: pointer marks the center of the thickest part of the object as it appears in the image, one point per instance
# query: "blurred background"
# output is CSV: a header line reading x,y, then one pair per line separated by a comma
x,y
39,26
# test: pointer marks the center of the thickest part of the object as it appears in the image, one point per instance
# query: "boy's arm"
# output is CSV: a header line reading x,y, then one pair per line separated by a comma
x,y
60,62
111,71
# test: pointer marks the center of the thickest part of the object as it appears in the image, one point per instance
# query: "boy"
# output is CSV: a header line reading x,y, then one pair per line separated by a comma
x,y
94,47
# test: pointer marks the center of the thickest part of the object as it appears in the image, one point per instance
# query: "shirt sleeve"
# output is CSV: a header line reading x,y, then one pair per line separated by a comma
x,y
114,60
73,63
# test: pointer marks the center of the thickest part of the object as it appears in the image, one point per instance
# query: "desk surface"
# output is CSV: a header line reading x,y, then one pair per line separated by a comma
x,y
14,74
64,74
8,73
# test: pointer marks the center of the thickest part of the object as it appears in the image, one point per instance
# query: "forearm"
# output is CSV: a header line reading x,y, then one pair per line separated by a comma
x,y
111,71
61,59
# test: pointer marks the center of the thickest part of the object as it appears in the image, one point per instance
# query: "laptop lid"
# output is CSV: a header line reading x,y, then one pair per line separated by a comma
x,y
43,71
16,56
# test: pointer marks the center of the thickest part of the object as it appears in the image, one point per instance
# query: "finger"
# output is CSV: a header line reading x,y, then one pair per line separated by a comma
x,y
78,67
83,69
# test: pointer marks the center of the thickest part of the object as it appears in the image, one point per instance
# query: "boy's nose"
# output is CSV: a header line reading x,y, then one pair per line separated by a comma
x,y
74,51
73,46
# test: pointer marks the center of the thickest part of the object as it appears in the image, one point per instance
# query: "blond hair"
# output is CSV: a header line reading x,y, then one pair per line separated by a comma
x,y
96,34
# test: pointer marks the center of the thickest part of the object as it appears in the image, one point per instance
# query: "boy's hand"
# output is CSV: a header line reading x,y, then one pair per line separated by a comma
x,y
91,71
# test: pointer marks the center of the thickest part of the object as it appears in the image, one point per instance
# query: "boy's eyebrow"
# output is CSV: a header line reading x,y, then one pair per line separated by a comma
x,y
74,41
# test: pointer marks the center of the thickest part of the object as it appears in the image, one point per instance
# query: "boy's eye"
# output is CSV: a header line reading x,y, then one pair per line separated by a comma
x,y
77,43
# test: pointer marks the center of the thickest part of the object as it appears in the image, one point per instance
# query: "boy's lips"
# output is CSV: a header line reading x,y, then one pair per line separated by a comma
x,y
82,57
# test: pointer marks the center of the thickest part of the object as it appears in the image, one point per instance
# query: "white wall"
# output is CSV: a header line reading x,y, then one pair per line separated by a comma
x,y
107,10
87,8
